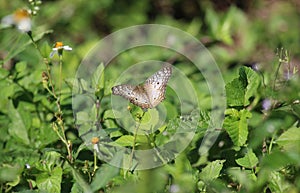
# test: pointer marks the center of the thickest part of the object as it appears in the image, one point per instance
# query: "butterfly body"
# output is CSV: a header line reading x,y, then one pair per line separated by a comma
x,y
149,94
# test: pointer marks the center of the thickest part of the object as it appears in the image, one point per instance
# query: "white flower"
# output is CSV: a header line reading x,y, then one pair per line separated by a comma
x,y
27,166
20,19
58,48
95,141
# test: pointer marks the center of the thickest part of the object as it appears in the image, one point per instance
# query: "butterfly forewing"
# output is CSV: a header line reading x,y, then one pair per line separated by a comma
x,y
155,86
147,95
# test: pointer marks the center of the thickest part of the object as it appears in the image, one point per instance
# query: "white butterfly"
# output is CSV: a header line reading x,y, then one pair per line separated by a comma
x,y
149,94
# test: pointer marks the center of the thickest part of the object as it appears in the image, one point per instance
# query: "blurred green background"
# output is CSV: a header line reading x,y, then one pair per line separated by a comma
x,y
234,31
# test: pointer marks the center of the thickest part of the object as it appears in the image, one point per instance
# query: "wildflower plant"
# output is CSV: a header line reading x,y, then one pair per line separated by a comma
x,y
21,19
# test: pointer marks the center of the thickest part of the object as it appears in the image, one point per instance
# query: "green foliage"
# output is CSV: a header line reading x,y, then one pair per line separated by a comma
x,y
46,147
236,125
211,171
241,89
290,140
249,160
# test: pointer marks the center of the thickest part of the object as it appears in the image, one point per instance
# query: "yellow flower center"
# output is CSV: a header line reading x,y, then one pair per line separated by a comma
x,y
95,140
21,14
58,45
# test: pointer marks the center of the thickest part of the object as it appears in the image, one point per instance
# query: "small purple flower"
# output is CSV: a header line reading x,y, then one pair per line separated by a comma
x,y
174,188
267,104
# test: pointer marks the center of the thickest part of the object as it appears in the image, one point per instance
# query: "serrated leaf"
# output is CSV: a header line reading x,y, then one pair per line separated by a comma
x,y
236,125
50,160
241,89
211,171
290,140
235,92
248,161
50,182
253,82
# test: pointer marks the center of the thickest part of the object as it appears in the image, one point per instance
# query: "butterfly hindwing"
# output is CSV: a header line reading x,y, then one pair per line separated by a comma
x,y
135,94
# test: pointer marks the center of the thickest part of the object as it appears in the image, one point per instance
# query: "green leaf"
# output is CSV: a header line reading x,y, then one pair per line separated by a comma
x,y
21,66
211,171
235,92
296,108
20,123
45,49
79,85
98,80
10,173
241,89
278,183
125,140
246,178
213,20
50,160
290,140
107,172
150,120
50,182
103,176
236,125
253,82
80,183
279,159
248,161
76,188
3,73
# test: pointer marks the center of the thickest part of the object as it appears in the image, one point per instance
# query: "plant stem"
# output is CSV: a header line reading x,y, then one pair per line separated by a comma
x,y
60,74
53,93
134,139
95,162
276,74
46,62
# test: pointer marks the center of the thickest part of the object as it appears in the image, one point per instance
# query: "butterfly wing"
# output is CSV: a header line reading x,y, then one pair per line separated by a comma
x,y
155,85
135,94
